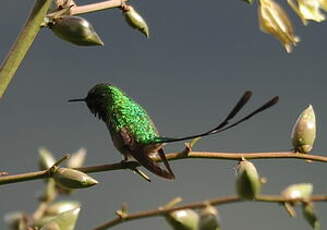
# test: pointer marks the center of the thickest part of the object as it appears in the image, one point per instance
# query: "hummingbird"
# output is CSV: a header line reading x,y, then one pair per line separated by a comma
x,y
133,132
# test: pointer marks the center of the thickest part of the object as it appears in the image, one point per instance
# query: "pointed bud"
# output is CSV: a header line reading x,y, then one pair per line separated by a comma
x,y
77,159
46,159
274,20
310,215
76,30
209,219
307,10
73,179
135,20
65,221
60,207
304,131
248,184
186,219
298,191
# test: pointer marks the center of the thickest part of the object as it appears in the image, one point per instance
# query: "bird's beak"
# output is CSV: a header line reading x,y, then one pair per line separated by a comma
x,y
76,100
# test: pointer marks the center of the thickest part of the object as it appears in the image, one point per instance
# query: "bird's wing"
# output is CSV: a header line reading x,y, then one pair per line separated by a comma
x,y
138,151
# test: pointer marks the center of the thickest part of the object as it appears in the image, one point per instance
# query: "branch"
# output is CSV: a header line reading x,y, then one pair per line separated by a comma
x,y
171,156
94,7
201,204
22,44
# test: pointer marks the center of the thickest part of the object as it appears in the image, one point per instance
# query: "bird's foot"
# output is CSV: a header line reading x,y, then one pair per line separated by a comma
x,y
134,167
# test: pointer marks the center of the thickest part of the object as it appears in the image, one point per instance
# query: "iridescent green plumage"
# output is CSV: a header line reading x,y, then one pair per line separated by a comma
x,y
126,113
133,132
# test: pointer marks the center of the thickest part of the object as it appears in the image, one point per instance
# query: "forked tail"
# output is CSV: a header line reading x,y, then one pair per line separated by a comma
x,y
224,125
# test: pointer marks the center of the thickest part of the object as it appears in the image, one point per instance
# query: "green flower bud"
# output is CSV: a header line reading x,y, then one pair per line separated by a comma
x,y
209,219
46,159
304,131
298,191
135,20
186,219
310,215
77,159
60,207
248,183
72,179
65,221
75,30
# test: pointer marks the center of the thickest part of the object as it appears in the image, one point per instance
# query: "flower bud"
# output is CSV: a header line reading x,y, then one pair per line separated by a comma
x,y
65,221
60,207
209,219
135,20
185,219
307,10
77,159
274,20
304,131
76,30
46,159
73,179
248,184
298,191
310,215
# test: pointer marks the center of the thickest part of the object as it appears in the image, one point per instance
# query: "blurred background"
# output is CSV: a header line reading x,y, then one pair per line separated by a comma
x,y
199,60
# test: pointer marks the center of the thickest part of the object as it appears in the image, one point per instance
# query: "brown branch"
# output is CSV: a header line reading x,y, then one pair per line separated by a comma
x,y
94,7
171,156
198,205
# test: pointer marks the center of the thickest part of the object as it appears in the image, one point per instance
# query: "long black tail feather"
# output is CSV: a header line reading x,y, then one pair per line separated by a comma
x,y
223,126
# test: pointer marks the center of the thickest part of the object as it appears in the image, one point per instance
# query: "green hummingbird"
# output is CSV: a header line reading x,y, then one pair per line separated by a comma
x,y
133,132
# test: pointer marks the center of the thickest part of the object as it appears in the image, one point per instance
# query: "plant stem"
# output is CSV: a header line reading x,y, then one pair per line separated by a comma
x,y
198,205
171,156
94,7
22,44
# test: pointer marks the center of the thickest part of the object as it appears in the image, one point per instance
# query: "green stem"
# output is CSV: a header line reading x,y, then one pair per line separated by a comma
x,y
22,43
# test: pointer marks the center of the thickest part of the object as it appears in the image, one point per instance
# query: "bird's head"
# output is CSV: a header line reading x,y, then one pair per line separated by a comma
x,y
100,98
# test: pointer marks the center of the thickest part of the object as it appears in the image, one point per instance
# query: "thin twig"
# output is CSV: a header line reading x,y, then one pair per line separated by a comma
x,y
94,7
199,205
171,156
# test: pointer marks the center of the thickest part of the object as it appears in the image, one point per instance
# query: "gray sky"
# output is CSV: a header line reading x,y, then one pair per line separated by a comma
x,y
198,62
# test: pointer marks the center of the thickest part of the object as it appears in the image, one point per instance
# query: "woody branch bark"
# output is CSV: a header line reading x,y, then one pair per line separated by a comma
x,y
215,202
171,156
94,7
